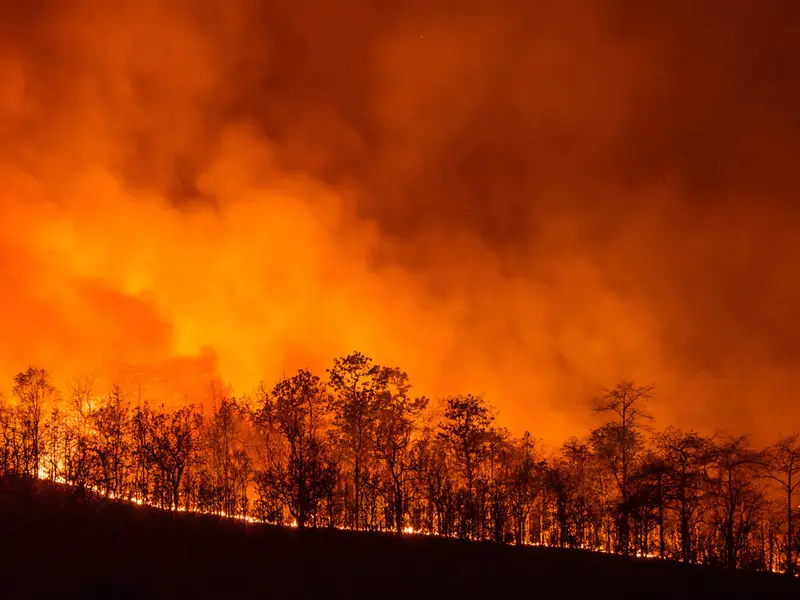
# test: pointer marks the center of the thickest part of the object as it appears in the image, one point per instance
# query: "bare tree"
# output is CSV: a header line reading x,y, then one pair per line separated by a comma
x,y
782,465
735,462
81,398
228,465
11,431
686,456
53,432
525,481
109,422
618,440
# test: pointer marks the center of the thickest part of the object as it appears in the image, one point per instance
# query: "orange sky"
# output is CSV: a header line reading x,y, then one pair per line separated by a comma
x,y
525,199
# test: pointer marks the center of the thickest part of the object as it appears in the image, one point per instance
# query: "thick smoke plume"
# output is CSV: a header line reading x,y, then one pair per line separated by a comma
x,y
527,199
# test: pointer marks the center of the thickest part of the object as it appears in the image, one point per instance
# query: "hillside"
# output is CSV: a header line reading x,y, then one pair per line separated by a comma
x,y
60,546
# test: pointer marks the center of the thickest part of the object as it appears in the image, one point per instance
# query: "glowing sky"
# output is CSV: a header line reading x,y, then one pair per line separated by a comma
x,y
526,199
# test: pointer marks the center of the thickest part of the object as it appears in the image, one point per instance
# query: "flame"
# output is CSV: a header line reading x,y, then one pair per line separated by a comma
x,y
408,529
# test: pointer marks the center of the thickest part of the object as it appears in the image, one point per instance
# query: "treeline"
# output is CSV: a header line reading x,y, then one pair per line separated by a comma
x,y
358,450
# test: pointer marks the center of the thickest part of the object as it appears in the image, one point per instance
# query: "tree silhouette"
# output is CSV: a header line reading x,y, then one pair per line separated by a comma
x,y
734,487
782,463
300,473
226,463
466,429
110,422
33,390
686,456
524,483
618,441
361,451
170,445
395,417
351,379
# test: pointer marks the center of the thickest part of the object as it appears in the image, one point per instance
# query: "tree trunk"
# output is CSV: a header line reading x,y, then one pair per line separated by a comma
x,y
790,532
660,520
685,540
176,484
302,500
398,510
356,483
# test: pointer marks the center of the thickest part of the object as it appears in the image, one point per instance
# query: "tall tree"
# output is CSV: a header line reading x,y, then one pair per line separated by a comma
x,y
618,440
466,429
33,390
352,380
686,456
395,416
783,467
110,424
735,462
172,445
228,465
300,474
11,432
525,481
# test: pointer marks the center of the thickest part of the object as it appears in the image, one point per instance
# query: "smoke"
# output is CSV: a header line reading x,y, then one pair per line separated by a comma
x,y
530,200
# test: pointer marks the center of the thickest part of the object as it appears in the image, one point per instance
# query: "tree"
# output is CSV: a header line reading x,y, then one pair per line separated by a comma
x,y
141,452
648,497
617,441
228,462
440,476
686,456
171,446
110,424
11,432
33,391
54,431
782,465
351,379
395,418
524,482
735,463
300,474
361,450
466,429
81,399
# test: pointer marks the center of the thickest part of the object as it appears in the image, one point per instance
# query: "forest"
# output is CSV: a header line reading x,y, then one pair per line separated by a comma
x,y
357,450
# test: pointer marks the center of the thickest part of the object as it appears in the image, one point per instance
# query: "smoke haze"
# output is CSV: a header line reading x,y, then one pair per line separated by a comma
x,y
531,200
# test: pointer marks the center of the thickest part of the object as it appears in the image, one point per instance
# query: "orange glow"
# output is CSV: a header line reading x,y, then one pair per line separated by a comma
x,y
239,196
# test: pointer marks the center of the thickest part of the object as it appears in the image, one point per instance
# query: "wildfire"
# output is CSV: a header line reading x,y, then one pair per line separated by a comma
x,y
154,241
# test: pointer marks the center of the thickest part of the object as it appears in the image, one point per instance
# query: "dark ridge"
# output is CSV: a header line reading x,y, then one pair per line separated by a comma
x,y
59,545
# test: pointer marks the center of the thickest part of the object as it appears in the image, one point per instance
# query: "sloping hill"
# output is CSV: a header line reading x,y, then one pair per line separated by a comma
x,y
59,546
